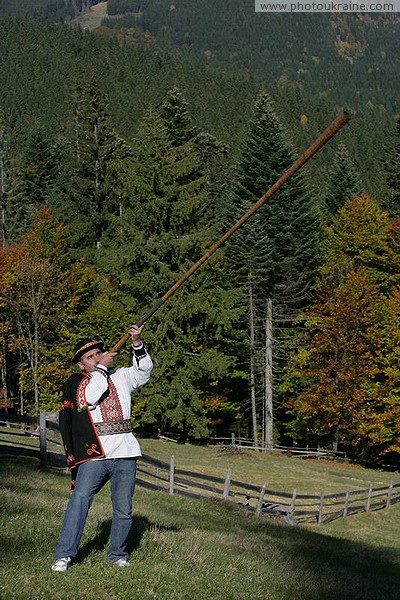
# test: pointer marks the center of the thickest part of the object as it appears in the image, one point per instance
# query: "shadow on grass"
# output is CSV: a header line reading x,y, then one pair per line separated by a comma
x,y
323,566
139,527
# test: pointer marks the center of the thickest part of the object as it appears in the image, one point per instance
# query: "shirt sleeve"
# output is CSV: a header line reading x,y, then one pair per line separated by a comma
x,y
139,373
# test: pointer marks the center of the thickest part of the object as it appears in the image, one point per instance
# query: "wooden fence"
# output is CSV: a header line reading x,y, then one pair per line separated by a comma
x,y
239,443
155,474
294,508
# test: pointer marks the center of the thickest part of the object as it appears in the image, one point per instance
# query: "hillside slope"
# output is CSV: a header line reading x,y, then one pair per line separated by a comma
x,y
350,58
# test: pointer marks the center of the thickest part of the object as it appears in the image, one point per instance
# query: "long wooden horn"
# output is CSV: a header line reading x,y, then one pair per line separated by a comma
x,y
329,132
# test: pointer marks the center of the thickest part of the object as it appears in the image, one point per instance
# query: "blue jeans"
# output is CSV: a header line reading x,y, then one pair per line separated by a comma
x,y
90,478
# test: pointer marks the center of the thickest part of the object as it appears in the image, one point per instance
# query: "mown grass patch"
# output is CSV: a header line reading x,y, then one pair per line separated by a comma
x,y
91,19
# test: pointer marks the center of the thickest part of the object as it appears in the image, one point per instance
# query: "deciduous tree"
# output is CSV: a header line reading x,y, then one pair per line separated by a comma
x,y
345,381
42,295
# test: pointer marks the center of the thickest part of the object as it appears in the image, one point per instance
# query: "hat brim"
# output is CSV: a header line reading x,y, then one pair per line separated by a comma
x,y
89,346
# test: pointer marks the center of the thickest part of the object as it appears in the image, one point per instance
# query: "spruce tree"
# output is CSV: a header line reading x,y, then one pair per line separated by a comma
x,y
391,202
177,118
3,180
167,225
343,181
275,252
12,201
38,165
93,155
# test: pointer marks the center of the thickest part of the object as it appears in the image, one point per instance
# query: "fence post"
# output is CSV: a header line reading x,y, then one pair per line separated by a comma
x,y
369,498
233,442
225,494
389,496
346,504
321,507
292,505
261,499
171,475
42,437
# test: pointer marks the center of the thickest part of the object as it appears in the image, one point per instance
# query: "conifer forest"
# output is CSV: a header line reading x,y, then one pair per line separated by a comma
x,y
128,148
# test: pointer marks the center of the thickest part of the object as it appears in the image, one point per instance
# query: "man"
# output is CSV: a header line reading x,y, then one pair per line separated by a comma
x,y
99,445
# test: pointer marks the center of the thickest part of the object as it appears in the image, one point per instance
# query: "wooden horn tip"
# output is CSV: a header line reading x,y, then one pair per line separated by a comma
x,y
347,113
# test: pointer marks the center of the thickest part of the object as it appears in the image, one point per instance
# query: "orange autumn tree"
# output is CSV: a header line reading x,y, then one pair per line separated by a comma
x,y
344,383
42,290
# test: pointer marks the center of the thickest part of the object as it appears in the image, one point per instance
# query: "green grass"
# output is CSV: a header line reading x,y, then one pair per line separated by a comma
x,y
182,548
14,437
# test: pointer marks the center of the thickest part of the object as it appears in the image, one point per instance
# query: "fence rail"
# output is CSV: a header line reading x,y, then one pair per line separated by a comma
x,y
239,443
155,474
294,508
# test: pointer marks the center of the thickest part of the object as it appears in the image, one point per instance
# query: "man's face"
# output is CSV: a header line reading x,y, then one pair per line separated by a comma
x,y
89,361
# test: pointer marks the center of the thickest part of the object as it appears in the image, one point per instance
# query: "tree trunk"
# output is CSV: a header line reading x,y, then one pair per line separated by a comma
x,y
3,198
21,400
36,365
252,374
4,373
76,9
268,410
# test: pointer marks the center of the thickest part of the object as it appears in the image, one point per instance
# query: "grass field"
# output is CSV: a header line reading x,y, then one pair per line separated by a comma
x,y
278,471
184,548
91,19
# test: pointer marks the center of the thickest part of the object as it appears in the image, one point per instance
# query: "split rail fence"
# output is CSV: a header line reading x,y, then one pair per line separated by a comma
x,y
155,474
239,443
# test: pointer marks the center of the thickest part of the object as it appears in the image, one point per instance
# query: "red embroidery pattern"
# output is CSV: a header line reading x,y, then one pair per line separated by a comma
x,y
111,409
81,393
67,403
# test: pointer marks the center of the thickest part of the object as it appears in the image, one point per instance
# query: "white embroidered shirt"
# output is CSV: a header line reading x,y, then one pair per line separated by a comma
x,y
116,406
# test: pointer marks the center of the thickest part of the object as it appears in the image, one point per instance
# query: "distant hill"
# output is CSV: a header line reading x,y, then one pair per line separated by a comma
x,y
220,55
351,58
311,63
13,8
48,9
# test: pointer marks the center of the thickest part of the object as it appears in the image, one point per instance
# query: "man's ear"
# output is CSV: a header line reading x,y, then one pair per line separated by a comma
x,y
80,365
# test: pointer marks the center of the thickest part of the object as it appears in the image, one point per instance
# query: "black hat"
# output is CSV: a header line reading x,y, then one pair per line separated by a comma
x,y
85,344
